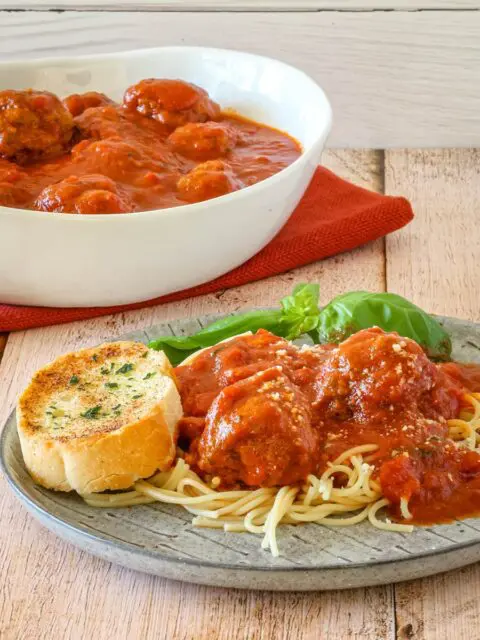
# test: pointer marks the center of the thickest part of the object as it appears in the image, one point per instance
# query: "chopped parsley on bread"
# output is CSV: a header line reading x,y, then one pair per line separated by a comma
x,y
100,419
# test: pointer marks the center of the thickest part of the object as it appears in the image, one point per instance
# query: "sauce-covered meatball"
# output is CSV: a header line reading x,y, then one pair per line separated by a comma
x,y
34,125
102,122
122,161
11,195
258,432
172,102
372,371
208,180
91,194
202,141
11,192
77,103
116,159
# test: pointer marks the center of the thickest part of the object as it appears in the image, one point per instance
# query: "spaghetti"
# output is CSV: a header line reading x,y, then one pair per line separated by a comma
x,y
319,500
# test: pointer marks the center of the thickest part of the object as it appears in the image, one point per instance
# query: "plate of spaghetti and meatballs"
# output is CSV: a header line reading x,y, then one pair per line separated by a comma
x,y
127,161
301,447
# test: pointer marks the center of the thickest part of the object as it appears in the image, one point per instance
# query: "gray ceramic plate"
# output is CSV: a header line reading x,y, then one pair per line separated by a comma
x,y
159,539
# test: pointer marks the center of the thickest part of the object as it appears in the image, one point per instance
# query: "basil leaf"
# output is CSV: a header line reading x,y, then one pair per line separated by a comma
x,y
182,343
177,348
356,310
300,310
233,325
298,315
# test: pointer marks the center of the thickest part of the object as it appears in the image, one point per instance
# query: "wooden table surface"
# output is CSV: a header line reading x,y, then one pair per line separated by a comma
x,y
49,589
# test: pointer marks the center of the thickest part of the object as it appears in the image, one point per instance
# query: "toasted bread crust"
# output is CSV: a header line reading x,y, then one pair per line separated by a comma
x,y
107,453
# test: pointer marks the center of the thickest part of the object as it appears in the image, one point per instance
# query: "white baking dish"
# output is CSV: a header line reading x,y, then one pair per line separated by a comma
x,y
60,259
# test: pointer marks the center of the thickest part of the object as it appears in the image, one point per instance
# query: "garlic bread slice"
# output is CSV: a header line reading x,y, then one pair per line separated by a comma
x,y
100,419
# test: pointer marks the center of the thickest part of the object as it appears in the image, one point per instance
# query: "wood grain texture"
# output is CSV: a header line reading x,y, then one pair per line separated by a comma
x,y
3,342
386,73
49,585
440,608
434,262
243,5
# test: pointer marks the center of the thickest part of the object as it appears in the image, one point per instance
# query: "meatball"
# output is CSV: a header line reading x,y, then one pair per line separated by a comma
x,y
229,361
370,372
208,180
258,432
113,121
34,125
12,194
7,194
172,102
86,194
102,122
112,157
77,103
203,141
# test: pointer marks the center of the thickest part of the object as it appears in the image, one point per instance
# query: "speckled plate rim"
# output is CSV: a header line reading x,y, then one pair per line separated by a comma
x,y
58,524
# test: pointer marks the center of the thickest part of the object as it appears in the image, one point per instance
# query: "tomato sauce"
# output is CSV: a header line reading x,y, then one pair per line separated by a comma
x,y
465,375
167,144
260,411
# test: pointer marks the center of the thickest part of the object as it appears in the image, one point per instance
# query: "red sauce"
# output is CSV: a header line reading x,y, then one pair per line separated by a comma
x,y
165,145
465,375
260,411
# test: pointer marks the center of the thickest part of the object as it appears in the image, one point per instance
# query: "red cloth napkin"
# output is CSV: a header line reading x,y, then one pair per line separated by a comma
x,y
333,216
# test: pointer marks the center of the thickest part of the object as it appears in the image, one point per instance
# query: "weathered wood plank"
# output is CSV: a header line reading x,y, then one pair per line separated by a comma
x,y
242,5
434,262
385,72
439,608
3,342
52,585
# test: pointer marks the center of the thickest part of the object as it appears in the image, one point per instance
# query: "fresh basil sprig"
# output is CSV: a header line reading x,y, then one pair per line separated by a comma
x,y
348,313
298,315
